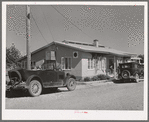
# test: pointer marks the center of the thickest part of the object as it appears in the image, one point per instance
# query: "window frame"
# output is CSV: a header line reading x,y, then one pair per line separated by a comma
x,y
91,64
63,66
99,64
103,63
33,63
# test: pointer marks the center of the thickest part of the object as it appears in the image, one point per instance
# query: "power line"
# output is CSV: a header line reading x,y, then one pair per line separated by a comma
x,y
39,29
48,25
70,22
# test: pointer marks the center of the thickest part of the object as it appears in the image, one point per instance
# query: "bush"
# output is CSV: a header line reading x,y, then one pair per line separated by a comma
x,y
103,77
95,78
87,79
98,77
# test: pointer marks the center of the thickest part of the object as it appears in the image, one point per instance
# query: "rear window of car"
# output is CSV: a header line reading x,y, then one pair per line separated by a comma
x,y
126,66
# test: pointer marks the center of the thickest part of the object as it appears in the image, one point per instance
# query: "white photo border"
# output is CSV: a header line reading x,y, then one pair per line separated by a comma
x,y
8,114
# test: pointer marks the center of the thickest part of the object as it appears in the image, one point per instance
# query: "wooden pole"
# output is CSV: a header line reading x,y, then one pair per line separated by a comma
x,y
28,37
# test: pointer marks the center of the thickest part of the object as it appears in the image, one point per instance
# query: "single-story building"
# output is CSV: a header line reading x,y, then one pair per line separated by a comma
x,y
77,58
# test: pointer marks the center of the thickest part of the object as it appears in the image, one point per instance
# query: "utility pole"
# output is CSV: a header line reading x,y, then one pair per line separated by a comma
x,y
28,37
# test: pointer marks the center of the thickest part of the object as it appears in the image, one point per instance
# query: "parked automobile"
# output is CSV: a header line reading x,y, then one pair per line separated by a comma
x,y
36,80
130,70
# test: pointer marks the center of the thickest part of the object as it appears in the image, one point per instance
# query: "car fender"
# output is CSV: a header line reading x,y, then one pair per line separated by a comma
x,y
67,78
15,73
33,77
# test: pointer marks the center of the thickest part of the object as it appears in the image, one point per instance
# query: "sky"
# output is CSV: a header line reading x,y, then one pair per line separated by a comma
x,y
118,27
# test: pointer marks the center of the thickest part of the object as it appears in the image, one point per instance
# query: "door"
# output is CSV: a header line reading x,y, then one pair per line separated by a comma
x,y
49,78
111,66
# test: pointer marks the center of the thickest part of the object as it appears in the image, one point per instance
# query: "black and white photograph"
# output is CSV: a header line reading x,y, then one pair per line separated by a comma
x,y
74,60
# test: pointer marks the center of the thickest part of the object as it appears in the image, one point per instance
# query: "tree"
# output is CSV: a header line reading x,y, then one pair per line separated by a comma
x,y
12,55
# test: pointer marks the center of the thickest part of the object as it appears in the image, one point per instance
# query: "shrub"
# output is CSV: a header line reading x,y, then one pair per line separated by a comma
x,y
95,78
87,79
103,77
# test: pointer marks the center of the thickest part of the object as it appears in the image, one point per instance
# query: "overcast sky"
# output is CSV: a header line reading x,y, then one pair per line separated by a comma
x,y
118,27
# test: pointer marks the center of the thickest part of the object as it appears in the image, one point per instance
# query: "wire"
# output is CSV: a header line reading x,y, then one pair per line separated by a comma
x,y
70,22
39,29
48,25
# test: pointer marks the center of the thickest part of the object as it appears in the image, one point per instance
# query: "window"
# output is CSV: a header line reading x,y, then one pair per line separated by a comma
x,y
53,55
62,63
66,63
103,64
91,63
33,63
75,54
47,55
95,63
50,55
99,64
24,64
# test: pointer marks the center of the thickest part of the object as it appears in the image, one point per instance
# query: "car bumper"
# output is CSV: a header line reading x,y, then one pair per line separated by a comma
x,y
17,87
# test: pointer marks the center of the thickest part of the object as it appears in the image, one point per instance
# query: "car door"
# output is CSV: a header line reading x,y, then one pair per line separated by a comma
x,y
49,78
60,78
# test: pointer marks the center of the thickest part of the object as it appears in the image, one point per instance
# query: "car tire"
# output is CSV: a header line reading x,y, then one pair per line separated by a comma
x,y
35,88
125,74
71,84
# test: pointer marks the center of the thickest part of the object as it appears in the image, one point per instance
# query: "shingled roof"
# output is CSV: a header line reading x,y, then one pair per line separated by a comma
x,y
91,48
86,47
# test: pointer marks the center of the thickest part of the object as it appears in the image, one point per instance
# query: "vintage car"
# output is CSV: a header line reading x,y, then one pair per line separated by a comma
x,y
34,81
130,70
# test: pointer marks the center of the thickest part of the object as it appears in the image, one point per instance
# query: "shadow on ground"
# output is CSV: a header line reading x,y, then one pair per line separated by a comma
x,y
119,81
20,93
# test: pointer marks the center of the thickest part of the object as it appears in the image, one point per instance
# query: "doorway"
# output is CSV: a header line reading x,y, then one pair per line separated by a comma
x,y
111,66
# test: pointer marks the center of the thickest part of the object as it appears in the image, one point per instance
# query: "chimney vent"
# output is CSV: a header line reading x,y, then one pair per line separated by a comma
x,y
95,42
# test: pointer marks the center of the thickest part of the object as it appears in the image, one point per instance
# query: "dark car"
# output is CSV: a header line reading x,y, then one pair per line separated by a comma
x,y
131,70
34,81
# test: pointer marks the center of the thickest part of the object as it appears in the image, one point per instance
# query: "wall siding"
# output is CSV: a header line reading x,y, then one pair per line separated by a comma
x,y
76,68
79,65
61,51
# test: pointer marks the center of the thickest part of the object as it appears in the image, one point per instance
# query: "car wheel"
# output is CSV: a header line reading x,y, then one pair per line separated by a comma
x,y
136,76
35,88
71,84
125,74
